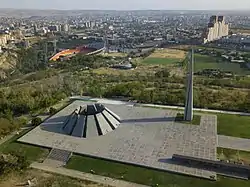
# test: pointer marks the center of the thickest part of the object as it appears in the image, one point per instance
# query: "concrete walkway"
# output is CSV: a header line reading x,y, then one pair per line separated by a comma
x,y
234,143
85,176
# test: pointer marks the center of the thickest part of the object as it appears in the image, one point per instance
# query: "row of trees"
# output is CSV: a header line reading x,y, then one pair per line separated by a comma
x,y
81,61
25,100
21,101
158,89
203,98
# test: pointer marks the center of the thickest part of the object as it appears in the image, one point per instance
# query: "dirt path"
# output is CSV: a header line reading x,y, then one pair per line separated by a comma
x,y
85,176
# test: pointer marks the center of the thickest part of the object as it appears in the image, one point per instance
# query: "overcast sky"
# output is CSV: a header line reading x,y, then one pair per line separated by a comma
x,y
127,4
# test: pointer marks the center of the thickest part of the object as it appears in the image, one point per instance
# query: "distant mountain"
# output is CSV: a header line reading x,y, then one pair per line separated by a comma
x,y
26,13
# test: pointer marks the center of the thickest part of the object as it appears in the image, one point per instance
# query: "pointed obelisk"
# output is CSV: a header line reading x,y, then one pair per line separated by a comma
x,y
188,115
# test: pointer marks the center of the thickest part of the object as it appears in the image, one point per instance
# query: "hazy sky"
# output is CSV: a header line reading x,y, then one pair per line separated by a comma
x,y
127,4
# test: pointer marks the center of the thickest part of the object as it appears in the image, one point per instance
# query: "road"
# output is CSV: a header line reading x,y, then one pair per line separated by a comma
x,y
85,176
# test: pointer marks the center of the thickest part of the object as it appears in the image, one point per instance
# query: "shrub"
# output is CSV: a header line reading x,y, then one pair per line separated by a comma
x,y
36,121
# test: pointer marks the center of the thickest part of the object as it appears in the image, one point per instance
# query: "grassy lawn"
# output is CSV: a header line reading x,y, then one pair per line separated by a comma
x,y
208,62
146,176
168,53
43,179
233,155
196,119
161,61
233,125
204,62
32,153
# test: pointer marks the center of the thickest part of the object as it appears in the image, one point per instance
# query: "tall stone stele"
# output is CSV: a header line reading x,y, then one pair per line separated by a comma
x,y
188,115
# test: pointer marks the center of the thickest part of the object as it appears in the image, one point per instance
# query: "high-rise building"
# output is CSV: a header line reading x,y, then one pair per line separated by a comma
x,y
35,28
217,28
65,28
44,30
90,24
87,24
4,38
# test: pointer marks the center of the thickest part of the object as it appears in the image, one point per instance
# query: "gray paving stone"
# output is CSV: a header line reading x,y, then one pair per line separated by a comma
x,y
146,137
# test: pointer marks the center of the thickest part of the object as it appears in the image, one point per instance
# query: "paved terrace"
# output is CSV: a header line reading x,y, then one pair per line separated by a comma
x,y
146,137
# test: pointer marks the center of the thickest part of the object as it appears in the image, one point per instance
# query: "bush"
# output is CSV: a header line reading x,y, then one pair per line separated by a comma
x,y
21,121
36,121
6,126
52,111
40,75
162,74
13,162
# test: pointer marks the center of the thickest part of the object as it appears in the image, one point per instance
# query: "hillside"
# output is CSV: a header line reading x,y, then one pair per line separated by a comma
x,y
8,62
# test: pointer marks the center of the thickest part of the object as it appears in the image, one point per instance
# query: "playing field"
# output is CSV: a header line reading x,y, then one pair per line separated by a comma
x,y
162,61
207,62
165,56
169,53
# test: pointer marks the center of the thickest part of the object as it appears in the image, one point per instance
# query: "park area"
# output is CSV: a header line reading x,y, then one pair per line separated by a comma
x,y
202,62
165,57
233,125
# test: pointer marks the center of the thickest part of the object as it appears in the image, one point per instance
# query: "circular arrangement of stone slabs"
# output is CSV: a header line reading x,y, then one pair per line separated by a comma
x,y
91,120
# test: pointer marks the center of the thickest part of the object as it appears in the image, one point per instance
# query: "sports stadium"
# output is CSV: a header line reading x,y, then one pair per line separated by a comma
x,y
90,49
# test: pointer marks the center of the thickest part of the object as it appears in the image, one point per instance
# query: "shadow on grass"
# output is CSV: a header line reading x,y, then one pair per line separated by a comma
x,y
196,119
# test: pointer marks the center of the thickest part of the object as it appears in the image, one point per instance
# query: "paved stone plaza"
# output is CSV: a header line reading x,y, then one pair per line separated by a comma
x,y
146,137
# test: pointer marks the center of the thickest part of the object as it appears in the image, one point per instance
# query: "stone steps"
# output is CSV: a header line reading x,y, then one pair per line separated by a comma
x,y
57,158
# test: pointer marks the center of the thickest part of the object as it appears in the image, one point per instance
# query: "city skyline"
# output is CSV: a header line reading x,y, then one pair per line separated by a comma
x,y
127,5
